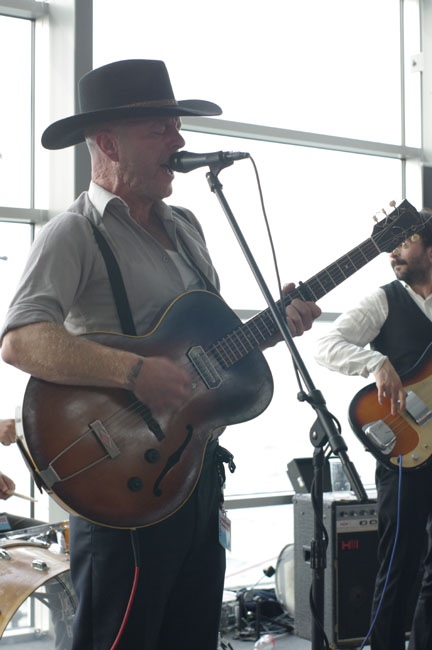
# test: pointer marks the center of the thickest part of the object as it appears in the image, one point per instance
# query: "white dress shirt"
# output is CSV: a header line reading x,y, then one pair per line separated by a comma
x,y
343,348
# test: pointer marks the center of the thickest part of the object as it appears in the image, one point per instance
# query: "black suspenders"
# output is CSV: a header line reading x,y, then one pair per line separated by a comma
x,y
117,284
116,281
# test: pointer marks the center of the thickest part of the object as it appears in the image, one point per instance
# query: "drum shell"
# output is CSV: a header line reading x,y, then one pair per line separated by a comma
x,y
24,567
284,579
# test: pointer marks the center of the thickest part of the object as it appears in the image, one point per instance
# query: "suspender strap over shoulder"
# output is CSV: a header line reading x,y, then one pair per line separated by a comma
x,y
117,285
116,281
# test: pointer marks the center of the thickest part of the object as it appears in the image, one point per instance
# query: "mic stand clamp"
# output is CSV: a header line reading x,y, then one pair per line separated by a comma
x,y
322,432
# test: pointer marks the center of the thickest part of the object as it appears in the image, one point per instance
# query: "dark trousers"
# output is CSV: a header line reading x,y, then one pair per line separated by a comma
x,y
178,600
415,532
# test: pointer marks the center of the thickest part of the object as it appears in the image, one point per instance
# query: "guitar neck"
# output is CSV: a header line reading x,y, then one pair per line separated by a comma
x,y
262,327
333,275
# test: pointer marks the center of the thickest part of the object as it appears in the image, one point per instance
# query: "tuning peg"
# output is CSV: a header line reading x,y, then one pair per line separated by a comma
x,y
392,204
375,218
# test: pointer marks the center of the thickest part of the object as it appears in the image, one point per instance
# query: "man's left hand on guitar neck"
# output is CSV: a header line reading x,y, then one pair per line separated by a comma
x,y
300,315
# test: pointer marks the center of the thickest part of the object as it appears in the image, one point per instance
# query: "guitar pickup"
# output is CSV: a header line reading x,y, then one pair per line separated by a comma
x,y
204,367
417,409
381,436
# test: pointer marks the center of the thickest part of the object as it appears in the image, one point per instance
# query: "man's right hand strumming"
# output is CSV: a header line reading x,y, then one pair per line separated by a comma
x,y
389,385
159,383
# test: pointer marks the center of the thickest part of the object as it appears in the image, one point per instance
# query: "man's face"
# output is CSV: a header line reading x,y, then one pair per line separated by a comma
x,y
412,261
144,148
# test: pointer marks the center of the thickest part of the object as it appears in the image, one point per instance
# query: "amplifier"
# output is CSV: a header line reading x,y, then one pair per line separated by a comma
x,y
349,578
351,567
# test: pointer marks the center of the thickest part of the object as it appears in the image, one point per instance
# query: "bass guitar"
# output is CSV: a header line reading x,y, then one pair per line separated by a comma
x,y
100,453
407,434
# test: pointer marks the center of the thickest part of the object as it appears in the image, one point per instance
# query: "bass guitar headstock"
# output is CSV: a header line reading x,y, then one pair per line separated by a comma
x,y
400,224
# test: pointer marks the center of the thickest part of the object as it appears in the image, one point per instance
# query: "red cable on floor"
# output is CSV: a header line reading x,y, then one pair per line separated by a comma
x,y
136,554
128,608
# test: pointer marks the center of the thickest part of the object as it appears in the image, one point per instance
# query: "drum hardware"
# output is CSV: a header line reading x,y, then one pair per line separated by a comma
x,y
47,532
34,568
33,541
39,565
37,541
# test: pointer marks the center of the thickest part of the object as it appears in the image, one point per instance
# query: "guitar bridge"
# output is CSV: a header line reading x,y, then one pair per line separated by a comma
x,y
417,409
104,438
50,476
380,435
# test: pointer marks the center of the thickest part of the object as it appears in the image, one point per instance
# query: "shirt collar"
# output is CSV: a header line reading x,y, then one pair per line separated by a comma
x,y
415,295
101,198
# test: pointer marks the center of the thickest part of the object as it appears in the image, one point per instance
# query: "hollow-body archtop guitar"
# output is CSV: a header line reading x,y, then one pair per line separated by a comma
x,y
101,453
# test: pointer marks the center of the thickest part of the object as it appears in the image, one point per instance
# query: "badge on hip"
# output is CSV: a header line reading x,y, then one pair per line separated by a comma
x,y
224,530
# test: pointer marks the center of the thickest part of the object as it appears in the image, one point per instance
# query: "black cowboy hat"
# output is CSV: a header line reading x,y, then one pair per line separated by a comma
x,y
121,90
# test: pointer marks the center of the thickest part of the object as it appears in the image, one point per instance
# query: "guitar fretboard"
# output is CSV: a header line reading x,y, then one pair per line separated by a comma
x,y
259,329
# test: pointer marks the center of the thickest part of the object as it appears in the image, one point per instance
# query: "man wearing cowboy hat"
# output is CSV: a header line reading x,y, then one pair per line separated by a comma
x,y
130,121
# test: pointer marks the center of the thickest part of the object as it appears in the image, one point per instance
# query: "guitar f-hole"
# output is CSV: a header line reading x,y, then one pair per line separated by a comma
x,y
172,461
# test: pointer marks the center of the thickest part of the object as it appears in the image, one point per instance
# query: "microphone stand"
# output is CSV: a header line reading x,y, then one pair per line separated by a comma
x,y
322,432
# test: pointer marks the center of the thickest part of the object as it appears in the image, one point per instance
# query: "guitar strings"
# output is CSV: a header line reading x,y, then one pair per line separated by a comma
x,y
119,420
245,338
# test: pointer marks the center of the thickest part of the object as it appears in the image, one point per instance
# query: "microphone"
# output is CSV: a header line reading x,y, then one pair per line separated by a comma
x,y
184,161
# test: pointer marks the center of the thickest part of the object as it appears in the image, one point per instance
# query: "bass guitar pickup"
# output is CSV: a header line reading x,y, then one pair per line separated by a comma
x,y
417,409
380,435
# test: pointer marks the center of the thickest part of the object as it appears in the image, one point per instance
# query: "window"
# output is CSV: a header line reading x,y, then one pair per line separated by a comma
x,y
326,67
16,206
320,204
15,240
16,112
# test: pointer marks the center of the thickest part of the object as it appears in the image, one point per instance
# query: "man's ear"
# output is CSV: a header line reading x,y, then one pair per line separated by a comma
x,y
107,143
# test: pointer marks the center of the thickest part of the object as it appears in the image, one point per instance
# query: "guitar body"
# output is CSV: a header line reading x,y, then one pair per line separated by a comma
x,y
100,453
412,431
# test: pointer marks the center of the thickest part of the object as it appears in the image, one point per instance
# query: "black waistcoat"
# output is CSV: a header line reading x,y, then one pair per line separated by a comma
x,y
406,332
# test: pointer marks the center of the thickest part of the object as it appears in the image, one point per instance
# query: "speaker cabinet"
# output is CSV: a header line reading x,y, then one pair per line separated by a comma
x,y
351,567
349,578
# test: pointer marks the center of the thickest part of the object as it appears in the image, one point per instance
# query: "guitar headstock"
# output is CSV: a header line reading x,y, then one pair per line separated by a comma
x,y
397,226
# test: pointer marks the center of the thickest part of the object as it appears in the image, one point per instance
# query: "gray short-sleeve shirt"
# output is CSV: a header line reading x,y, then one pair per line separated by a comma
x,y
65,279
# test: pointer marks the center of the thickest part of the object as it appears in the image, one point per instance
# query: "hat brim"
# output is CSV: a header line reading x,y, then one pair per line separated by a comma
x,y
70,130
